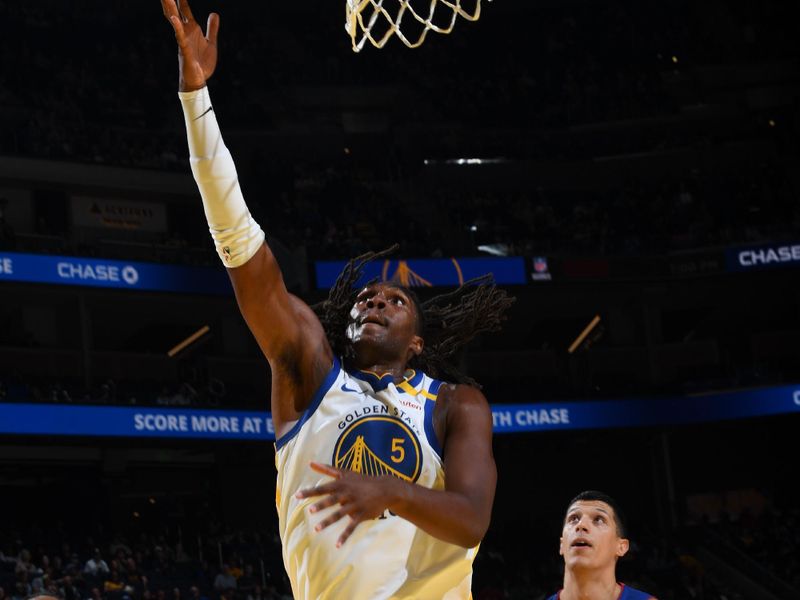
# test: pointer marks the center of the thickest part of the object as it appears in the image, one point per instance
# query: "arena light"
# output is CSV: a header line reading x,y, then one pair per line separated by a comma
x,y
189,340
579,340
464,161
495,249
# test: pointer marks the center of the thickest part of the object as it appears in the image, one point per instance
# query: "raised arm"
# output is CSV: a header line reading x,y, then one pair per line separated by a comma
x,y
286,329
459,514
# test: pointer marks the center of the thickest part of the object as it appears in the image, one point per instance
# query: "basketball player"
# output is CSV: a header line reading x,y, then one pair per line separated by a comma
x,y
592,541
386,477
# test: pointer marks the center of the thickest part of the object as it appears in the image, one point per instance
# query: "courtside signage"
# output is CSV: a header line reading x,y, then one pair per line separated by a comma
x,y
71,270
429,272
763,257
53,419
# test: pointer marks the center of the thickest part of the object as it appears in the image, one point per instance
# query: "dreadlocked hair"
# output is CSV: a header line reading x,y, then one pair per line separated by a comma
x,y
449,321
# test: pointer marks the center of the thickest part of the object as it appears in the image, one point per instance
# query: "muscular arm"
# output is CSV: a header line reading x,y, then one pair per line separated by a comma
x,y
286,329
288,333
460,513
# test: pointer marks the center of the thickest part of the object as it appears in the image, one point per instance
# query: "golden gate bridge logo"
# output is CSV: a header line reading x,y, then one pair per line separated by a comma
x,y
406,276
379,445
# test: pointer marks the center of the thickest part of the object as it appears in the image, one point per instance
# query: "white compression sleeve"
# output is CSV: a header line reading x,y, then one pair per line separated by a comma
x,y
236,234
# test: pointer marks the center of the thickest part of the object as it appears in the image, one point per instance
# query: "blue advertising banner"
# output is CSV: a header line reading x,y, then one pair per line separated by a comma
x,y
111,421
756,258
429,272
49,419
129,275
646,412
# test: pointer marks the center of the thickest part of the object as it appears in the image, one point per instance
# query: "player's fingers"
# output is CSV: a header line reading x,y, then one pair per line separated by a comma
x,y
325,488
186,12
330,520
177,27
326,469
212,28
348,530
180,34
169,8
329,501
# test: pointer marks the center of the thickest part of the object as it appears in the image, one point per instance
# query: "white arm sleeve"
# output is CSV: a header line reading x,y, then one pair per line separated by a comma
x,y
236,234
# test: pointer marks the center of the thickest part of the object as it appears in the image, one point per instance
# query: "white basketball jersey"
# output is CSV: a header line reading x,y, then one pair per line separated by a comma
x,y
368,424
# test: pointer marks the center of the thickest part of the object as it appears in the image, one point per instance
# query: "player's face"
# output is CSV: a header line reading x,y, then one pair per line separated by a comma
x,y
589,539
386,316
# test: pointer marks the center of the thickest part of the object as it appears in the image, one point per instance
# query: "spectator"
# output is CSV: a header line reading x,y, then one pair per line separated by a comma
x,y
196,594
246,584
225,580
96,567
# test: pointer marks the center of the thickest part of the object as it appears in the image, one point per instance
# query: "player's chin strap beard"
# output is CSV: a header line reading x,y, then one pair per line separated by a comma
x,y
237,236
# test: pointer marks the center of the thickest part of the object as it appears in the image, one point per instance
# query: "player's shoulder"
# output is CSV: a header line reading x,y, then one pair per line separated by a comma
x,y
459,403
462,395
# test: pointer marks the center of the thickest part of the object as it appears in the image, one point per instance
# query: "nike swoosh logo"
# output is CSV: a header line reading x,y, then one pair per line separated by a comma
x,y
208,110
347,389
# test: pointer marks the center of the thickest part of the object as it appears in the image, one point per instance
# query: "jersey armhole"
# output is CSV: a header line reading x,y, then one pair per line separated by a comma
x,y
430,430
316,400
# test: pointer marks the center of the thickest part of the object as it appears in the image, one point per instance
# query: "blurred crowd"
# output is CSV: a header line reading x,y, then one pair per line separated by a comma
x,y
206,393
771,538
149,566
225,564
97,86
575,65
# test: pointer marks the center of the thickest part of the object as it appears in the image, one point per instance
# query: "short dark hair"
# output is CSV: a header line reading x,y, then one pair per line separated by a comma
x,y
594,495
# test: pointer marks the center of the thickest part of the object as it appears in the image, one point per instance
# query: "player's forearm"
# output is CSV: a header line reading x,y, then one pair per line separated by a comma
x,y
446,515
236,235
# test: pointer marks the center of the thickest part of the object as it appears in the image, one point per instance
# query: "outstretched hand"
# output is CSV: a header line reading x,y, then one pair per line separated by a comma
x,y
359,497
197,56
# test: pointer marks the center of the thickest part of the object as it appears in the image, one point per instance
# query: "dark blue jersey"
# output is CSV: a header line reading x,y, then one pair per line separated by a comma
x,y
628,593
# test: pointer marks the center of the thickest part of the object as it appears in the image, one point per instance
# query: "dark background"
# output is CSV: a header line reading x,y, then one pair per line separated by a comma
x,y
630,143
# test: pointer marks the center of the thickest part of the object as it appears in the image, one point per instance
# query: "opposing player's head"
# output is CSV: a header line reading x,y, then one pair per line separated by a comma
x,y
593,536
386,321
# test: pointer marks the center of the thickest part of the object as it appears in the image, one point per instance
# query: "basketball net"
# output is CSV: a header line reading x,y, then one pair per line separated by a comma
x,y
364,16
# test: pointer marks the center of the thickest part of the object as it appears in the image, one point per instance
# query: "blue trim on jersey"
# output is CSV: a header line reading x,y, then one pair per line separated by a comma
x,y
378,383
316,400
628,593
433,390
430,432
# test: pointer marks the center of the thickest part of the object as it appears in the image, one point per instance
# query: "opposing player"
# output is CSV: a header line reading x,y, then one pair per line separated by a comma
x,y
592,541
385,474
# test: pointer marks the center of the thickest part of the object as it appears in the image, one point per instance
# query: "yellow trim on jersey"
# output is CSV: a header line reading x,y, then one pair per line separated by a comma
x,y
410,389
409,374
379,376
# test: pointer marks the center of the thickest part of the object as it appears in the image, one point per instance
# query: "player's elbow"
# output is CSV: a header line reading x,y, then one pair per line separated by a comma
x,y
471,533
469,541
